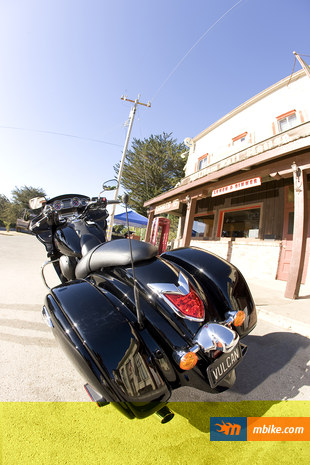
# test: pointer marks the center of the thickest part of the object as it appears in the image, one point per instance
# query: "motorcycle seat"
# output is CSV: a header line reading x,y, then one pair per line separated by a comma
x,y
114,253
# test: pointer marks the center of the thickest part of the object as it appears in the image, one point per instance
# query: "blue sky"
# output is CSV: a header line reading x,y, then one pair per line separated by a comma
x,y
66,63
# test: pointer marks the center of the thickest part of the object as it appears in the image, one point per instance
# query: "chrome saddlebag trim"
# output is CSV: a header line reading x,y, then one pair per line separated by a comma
x,y
46,317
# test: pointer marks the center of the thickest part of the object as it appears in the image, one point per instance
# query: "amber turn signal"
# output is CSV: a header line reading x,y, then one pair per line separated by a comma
x,y
188,361
239,318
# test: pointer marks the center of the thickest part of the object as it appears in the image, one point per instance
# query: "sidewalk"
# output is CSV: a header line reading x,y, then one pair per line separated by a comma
x,y
12,232
272,306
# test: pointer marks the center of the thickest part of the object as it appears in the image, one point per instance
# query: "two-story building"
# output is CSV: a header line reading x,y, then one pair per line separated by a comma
x,y
245,194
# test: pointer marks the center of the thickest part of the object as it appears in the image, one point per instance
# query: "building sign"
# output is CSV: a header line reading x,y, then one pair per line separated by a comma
x,y
237,186
167,207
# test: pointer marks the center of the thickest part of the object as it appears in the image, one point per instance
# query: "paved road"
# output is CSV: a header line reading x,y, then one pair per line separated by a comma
x,y
33,368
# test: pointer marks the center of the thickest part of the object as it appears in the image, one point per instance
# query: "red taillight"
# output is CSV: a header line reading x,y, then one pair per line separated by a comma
x,y
190,305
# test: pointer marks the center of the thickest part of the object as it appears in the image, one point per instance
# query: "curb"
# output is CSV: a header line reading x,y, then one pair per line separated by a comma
x,y
285,322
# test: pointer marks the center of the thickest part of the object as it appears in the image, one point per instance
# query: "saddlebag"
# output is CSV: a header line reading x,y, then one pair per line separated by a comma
x,y
105,345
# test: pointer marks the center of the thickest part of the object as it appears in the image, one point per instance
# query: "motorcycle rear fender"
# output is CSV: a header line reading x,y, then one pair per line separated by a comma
x,y
106,347
172,332
222,283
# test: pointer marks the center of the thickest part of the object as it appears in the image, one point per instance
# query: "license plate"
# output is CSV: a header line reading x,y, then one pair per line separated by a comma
x,y
223,365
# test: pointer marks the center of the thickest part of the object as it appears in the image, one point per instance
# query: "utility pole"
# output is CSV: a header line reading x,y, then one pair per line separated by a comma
x,y
131,120
305,66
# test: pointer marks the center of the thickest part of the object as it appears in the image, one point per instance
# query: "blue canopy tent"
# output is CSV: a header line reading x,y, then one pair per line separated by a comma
x,y
135,219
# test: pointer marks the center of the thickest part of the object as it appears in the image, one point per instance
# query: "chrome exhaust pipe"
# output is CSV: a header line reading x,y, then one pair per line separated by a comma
x,y
165,415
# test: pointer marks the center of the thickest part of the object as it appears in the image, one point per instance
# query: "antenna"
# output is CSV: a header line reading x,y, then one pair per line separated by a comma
x,y
135,288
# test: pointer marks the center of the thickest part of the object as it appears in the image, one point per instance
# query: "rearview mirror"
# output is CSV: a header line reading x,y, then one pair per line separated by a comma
x,y
110,185
37,202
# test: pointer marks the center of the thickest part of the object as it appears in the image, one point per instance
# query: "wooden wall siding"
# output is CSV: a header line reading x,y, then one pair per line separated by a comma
x,y
270,194
209,204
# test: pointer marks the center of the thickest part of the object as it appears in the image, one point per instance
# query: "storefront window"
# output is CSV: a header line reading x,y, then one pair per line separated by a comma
x,y
242,223
203,227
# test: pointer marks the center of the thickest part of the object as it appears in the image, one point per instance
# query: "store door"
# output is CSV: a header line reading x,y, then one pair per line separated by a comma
x,y
287,244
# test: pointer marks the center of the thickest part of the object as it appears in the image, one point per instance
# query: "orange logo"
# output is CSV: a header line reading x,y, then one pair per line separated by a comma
x,y
228,428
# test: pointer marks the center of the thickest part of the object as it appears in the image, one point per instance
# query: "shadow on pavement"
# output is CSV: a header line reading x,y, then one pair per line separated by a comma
x,y
275,368
199,413
267,360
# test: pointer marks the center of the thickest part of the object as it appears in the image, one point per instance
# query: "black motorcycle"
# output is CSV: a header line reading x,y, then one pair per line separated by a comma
x,y
135,324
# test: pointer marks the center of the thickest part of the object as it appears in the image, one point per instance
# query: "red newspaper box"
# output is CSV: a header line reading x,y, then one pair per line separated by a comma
x,y
160,233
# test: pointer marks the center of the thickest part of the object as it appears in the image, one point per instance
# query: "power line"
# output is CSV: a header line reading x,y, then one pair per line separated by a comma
x,y
59,134
190,50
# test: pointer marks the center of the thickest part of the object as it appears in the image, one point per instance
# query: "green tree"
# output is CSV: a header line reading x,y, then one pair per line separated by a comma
x,y
11,210
22,195
7,215
151,167
3,202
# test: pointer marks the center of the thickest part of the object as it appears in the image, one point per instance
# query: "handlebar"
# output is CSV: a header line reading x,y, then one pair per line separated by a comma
x,y
51,215
113,202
